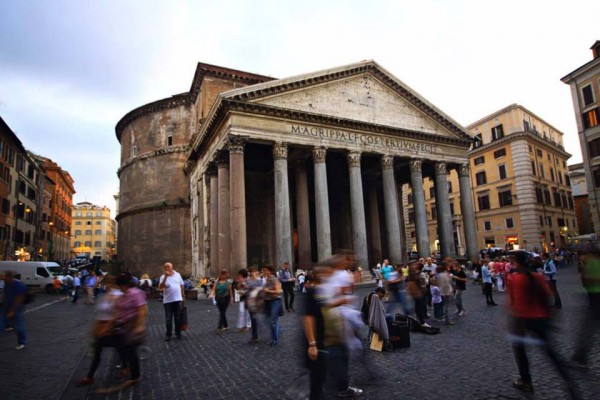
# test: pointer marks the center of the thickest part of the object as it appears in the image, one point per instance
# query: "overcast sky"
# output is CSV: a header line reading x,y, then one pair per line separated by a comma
x,y
69,70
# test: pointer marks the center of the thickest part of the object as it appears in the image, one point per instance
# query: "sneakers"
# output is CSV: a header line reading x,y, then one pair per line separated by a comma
x,y
20,347
522,385
426,325
462,313
8,329
450,322
350,392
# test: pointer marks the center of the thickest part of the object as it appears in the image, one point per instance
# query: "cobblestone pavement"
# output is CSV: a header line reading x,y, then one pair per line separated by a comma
x,y
470,360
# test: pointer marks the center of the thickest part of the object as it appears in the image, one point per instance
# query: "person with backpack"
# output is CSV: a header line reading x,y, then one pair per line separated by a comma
x,y
13,308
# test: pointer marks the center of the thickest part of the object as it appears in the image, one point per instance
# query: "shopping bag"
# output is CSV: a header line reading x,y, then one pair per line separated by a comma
x,y
376,342
183,318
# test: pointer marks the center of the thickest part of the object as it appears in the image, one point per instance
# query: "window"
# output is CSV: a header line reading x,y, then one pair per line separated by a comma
x,y
547,197
449,186
549,157
5,206
588,95
88,244
77,232
542,173
526,127
502,171
539,153
538,195
552,174
590,118
570,200
479,160
594,148
451,208
98,222
510,223
500,153
408,199
549,221
41,271
497,132
98,232
433,211
560,221
134,151
533,169
97,243
98,214
88,214
556,199
563,200
480,178
478,141
411,217
432,192
505,198
541,221
487,226
483,201
77,244
78,214
88,231
170,140
77,222
560,179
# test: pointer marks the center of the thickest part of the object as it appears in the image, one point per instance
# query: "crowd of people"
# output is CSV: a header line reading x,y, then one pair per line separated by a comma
x,y
426,290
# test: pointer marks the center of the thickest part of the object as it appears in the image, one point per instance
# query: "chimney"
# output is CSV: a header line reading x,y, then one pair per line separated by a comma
x,y
596,49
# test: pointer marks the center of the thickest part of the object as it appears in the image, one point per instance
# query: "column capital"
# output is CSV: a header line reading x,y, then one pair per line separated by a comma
x,y
236,144
319,154
354,159
280,151
387,161
463,169
441,168
416,165
222,158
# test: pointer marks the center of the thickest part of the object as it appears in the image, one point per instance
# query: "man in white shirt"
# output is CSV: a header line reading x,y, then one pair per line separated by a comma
x,y
171,284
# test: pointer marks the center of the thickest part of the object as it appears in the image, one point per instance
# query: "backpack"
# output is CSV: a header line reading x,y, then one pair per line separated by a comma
x,y
366,305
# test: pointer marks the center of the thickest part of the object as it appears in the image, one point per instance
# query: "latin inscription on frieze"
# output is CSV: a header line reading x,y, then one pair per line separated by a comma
x,y
364,139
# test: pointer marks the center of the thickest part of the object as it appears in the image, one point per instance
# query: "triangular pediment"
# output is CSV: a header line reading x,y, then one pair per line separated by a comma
x,y
361,92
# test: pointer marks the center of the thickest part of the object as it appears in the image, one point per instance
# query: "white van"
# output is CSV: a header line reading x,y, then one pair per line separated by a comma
x,y
34,274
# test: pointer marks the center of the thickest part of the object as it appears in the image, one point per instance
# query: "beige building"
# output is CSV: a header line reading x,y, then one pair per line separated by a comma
x,y
521,190
585,91
93,231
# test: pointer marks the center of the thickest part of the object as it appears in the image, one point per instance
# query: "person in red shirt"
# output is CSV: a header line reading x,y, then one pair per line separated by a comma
x,y
530,315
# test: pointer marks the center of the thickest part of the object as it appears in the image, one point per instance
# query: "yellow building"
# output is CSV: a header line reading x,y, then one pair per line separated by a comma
x,y
585,91
93,231
520,186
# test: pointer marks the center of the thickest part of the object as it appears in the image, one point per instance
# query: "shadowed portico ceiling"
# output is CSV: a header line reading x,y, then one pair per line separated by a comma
x,y
360,96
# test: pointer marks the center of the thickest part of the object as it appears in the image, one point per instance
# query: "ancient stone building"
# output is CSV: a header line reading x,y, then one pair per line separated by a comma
x,y
154,223
293,169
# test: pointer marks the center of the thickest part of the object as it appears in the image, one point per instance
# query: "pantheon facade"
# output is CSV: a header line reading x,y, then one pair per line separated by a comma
x,y
245,169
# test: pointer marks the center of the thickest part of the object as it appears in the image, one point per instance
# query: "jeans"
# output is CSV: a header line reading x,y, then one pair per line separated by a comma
x,y
222,305
254,326
274,307
420,309
75,294
487,289
288,295
318,373
17,322
458,300
337,366
557,301
131,354
438,310
173,313
446,299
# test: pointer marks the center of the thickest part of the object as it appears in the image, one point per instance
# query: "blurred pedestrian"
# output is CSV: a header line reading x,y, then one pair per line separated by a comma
x,y
13,308
486,278
76,287
314,333
530,321
549,270
272,297
243,320
223,295
459,277
171,285
90,282
103,331
445,285
590,323
130,323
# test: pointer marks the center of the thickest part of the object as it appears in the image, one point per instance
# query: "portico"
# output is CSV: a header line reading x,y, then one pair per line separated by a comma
x,y
309,165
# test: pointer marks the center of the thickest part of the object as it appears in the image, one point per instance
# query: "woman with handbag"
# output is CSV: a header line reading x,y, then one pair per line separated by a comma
x,y
222,294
